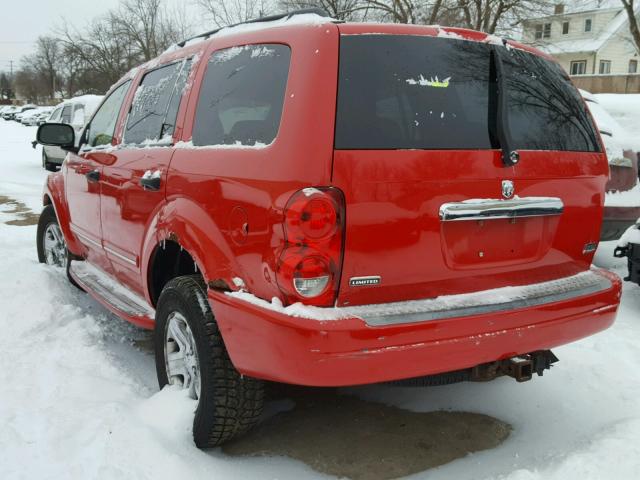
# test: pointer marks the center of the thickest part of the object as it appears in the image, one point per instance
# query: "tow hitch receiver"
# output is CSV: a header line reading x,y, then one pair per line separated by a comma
x,y
521,367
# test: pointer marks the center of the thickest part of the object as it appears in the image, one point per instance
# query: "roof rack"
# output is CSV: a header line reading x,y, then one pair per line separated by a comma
x,y
318,11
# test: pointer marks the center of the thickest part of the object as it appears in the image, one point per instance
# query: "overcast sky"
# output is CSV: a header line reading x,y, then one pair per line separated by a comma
x,y
22,21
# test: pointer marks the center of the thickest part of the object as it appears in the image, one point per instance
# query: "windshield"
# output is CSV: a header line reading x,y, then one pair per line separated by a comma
x,y
419,92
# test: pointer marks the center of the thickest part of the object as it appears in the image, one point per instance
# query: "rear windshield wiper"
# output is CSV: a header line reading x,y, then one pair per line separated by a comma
x,y
510,156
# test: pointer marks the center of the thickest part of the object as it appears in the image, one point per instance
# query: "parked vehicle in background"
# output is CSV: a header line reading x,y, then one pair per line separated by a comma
x,y
629,247
30,117
22,110
279,205
8,113
622,201
75,112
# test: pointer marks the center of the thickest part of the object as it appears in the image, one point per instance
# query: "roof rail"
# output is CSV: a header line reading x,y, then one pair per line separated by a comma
x,y
318,11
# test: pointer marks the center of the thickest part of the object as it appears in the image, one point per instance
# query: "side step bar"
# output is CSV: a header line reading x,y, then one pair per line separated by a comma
x,y
112,294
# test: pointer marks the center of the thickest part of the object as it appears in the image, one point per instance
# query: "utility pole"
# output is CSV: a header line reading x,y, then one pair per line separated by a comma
x,y
11,67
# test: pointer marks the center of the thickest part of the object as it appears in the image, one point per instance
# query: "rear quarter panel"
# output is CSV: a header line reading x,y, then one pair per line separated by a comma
x,y
242,191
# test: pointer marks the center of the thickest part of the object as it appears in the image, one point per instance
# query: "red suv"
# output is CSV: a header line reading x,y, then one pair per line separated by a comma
x,y
327,204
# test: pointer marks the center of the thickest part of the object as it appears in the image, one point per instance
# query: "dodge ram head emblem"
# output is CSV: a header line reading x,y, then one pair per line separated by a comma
x,y
507,188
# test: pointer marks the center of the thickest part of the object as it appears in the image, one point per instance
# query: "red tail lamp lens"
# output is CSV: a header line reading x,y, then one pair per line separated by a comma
x,y
309,267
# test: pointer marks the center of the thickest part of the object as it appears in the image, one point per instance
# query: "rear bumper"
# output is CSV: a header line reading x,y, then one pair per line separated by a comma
x,y
267,344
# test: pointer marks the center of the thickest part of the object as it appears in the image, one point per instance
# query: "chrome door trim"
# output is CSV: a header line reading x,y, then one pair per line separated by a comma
x,y
487,209
84,237
121,257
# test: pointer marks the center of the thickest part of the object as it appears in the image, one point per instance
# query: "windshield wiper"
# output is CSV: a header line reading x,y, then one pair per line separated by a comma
x,y
510,157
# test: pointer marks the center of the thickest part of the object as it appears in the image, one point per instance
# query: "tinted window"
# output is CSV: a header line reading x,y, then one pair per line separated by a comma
x,y
150,104
402,92
242,96
410,92
545,110
103,124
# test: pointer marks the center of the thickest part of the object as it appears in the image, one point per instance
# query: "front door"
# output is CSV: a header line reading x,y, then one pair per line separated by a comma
x,y
83,176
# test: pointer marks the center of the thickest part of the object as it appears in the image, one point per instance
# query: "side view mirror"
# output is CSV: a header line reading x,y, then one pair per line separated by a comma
x,y
57,135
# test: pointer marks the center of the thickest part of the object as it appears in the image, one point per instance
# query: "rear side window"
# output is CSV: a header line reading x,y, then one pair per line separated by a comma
x,y
403,92
242,96
151,104
545,111
103,124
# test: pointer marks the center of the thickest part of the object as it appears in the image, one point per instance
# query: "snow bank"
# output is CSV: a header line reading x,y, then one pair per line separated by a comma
x,y
626,110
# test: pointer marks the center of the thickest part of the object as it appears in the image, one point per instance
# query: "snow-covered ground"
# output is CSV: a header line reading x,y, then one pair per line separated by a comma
x,y
78,394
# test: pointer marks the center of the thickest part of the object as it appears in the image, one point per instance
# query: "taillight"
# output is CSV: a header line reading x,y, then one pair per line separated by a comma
x,y
309,266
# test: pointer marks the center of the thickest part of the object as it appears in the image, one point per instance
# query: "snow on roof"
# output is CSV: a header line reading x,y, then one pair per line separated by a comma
x,y
91,102
588,44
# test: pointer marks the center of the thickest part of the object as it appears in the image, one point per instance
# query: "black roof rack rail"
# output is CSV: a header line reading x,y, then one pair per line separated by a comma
x,y
270,18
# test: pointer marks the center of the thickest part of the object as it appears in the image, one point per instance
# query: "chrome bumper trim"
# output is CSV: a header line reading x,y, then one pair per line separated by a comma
x,y
478,303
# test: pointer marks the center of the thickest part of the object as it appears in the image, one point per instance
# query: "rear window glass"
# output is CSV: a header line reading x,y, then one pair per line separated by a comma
x,y
401,92
545,111
412,92
242,96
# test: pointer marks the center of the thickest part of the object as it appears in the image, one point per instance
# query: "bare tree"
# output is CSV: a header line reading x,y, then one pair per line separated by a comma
x,y
148,25
630,7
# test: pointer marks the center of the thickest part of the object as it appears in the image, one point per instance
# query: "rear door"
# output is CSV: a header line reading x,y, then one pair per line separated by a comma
x,y
133,183
417,135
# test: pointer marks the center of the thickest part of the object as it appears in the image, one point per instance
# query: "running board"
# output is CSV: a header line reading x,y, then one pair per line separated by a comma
x,y
112,294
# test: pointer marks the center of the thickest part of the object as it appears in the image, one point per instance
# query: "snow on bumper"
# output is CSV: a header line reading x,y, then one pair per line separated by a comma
x,y
348,349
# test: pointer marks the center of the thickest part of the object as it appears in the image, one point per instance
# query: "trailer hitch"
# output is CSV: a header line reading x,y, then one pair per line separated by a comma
x,y
521,367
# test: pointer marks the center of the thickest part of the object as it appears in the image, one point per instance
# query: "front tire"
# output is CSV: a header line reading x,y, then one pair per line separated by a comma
x,y
190,352
52,248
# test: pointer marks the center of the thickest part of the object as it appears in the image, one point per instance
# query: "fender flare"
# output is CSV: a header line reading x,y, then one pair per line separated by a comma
x,y
185,222
55,192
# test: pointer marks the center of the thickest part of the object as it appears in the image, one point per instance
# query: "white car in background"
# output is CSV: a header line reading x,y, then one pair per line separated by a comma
x,y
75,112
622,199
23,110
30,117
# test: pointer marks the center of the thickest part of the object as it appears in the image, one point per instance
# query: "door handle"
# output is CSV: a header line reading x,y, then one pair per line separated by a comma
x,y
93,176
150,183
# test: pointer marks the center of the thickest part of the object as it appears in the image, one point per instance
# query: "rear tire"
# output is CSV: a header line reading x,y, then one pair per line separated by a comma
x,y
229,404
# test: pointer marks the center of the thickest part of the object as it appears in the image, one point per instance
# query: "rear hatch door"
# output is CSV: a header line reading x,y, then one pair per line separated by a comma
x,y
416,144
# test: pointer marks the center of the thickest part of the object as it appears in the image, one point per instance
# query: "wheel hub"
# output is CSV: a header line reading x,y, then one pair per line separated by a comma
x,y
181,356
55,249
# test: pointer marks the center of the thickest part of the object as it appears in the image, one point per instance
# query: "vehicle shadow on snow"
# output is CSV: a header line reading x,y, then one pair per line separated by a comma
x,y
345,436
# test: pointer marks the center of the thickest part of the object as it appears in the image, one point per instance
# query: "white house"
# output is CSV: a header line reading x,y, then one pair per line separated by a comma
x,y
594,42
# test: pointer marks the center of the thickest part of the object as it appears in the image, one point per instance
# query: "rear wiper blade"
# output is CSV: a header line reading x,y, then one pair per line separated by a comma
x,y
510,157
